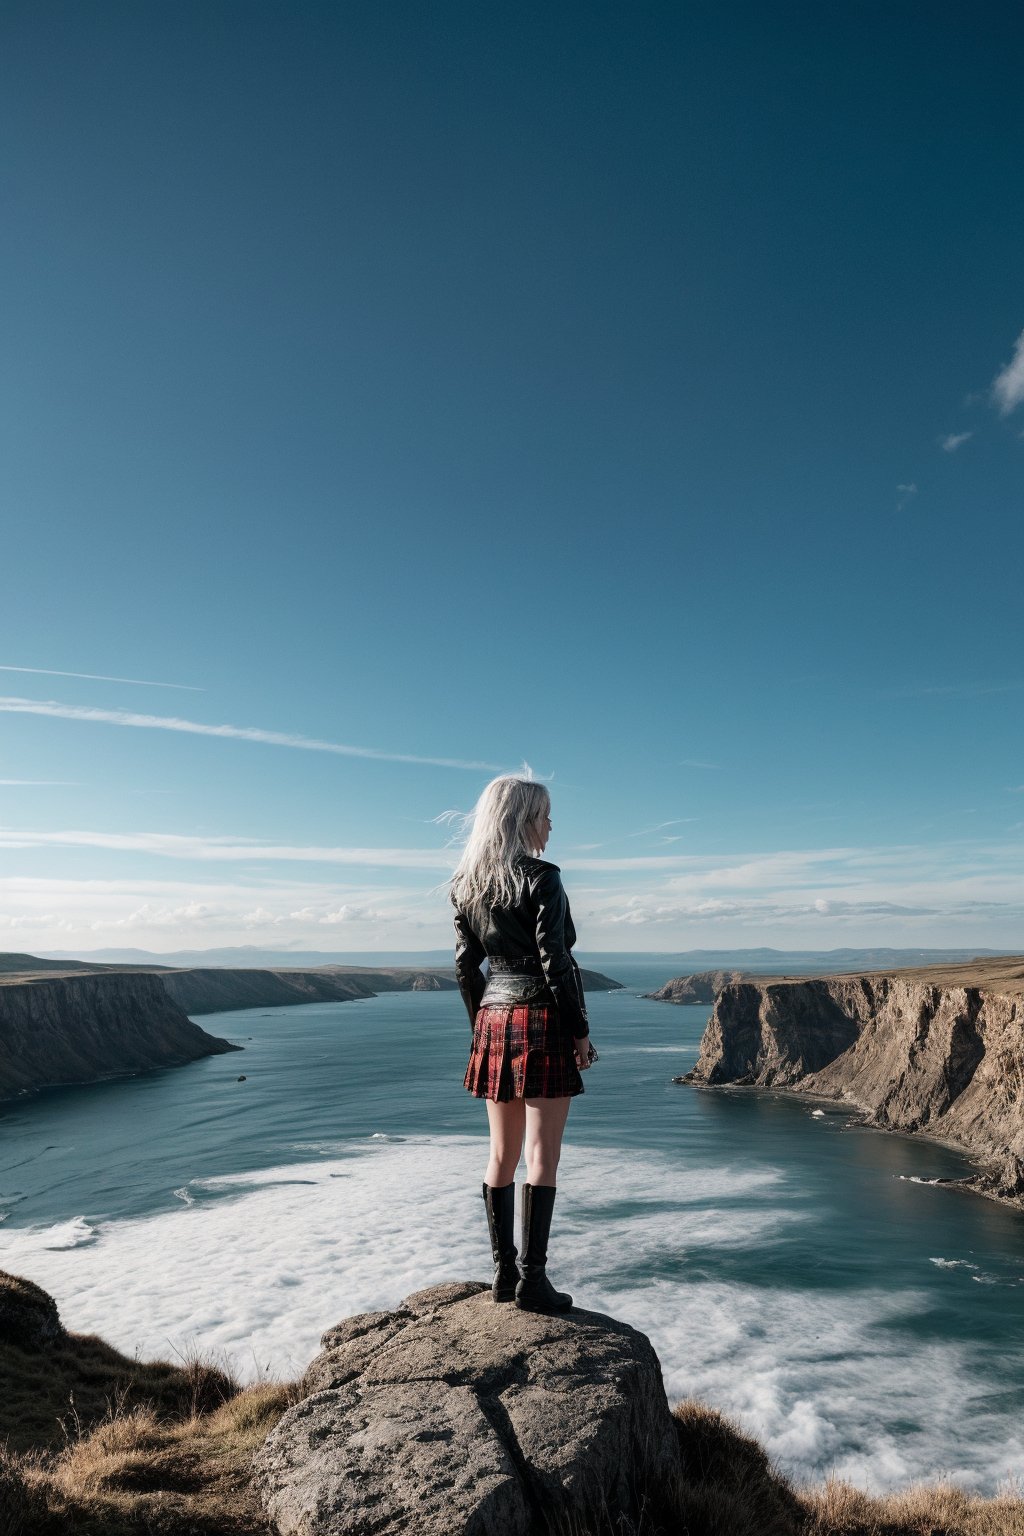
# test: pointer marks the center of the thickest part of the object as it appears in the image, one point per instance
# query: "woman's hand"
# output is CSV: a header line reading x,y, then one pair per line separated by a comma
x,y
584,1047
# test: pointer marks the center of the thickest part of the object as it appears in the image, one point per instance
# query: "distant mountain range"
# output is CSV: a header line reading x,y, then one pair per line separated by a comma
x,y
683,961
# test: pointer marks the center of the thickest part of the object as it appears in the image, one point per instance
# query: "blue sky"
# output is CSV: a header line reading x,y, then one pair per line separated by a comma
x,y
633,391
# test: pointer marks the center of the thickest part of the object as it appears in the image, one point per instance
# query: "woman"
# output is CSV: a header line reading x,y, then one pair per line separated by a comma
x,y
531,1039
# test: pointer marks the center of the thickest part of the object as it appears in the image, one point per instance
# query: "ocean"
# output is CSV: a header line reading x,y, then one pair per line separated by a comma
x,y
794,1269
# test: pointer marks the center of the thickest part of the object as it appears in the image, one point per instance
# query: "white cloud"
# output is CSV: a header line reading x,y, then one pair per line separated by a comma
x,y
82,712
101,677
904,493
229,849
153,916
1008,384
955,440
953,893
348,912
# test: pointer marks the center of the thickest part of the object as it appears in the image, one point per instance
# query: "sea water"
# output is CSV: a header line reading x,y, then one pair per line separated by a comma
x,y
793,1268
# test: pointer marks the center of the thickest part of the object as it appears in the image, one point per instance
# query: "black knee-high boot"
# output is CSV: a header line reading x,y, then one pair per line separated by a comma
x,y
501,1205
535,1293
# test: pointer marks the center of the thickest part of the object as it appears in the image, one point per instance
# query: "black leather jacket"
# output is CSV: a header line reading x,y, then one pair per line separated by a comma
x,y
527,947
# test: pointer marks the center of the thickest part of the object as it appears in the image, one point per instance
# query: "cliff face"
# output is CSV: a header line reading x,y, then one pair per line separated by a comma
x,y
218,991
914,1056
81,1028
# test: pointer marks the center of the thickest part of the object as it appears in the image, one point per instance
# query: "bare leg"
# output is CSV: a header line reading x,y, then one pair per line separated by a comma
x,y
545,1122
508,1125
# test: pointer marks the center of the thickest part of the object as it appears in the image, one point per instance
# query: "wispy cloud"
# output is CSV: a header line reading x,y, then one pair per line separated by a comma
x,y
84,712
955,440
101,677
696,762
659,826
229,849
1008,384
56,783
904,494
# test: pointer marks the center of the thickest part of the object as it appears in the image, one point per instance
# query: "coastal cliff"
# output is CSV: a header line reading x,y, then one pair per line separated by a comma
x,y
938,1051
79,1028
215,989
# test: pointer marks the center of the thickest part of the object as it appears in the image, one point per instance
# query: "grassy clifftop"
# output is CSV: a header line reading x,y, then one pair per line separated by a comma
x,y
96,1443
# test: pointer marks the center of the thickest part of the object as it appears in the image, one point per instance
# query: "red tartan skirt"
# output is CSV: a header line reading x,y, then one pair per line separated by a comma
x,y
521,1052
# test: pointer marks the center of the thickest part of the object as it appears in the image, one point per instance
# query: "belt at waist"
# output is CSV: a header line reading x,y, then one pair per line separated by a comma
x,y
515,965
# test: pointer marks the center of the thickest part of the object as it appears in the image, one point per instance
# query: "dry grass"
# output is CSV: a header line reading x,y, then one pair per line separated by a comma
x,y
52,1395
940,1510
731,1489
137,1472
94,1443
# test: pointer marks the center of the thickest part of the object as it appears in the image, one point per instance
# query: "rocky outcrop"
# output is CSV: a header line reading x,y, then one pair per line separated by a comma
x,y
944,1060
84,1027
594,981
701,987
452,1415
28,1314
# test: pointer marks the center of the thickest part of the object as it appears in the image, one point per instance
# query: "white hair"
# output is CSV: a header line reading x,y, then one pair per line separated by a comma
x,y
500,828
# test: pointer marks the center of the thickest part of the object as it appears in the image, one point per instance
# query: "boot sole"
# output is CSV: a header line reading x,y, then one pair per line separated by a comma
x,y
529,1306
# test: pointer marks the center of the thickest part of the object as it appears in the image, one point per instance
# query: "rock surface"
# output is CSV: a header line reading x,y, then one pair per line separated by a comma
x,y
453,1415
945,1060
28,1314
701,987
84,1027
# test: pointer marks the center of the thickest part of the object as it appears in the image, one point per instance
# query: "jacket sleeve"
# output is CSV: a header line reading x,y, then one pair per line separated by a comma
x,y
469,955
560,969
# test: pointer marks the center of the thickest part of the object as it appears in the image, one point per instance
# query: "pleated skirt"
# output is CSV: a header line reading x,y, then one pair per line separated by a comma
x,y
521,1051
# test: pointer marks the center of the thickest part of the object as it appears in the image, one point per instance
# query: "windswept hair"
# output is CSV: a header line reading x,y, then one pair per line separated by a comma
x,y
498,830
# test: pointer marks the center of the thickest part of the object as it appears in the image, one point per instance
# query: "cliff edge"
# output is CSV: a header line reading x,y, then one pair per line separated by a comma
x,y
941,1055
83,1027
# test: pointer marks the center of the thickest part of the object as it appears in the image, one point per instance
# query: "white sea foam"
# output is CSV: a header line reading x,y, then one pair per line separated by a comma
x,y
953,1263
647,1050
825,1379
61,1237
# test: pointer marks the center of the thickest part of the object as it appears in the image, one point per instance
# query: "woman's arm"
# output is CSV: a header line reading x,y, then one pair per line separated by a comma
x,y
469,956
560,969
